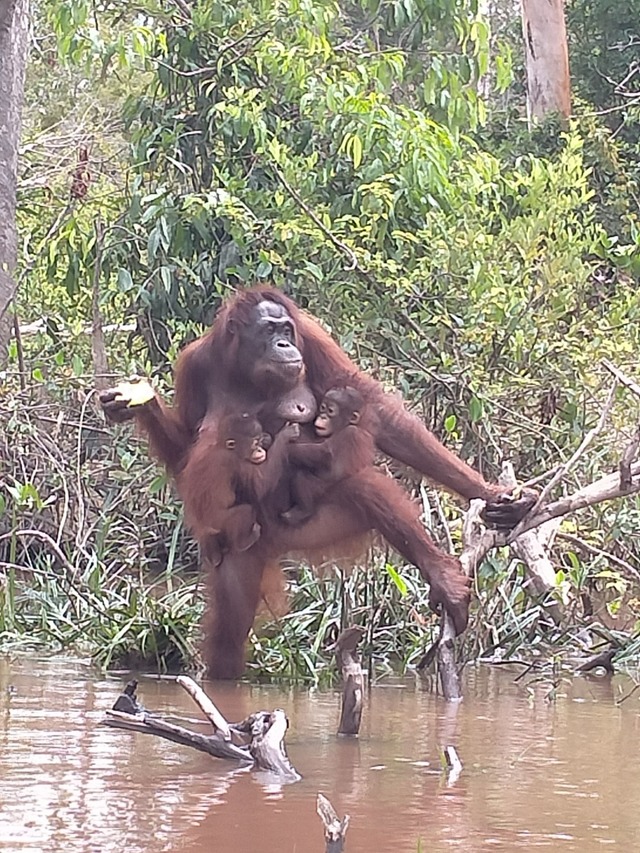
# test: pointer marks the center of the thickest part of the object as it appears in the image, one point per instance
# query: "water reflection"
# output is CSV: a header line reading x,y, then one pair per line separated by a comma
x,y
558,776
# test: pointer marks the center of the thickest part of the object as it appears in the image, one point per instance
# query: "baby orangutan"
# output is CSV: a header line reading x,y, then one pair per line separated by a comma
x,y
228,474
346,447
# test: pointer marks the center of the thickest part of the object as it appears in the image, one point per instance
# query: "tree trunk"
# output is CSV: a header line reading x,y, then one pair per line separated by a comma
x,y
547,59
14,31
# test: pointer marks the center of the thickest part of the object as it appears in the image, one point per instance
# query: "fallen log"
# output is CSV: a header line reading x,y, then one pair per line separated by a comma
x,y
257,740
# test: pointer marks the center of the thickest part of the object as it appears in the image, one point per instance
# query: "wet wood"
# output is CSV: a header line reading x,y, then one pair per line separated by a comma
x,y
257,740
477,540
335,830
604,661
149,724
453,765
447,666
267,731
206,705
127,701
452,759
352,680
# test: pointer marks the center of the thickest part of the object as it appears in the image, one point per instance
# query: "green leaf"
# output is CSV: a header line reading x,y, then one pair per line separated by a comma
x,y
476,409
399,582
158,484
356,152
264,269
165,275
153,242
125,282
77,365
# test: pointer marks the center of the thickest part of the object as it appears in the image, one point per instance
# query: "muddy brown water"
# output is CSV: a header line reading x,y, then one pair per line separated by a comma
x,y
561,775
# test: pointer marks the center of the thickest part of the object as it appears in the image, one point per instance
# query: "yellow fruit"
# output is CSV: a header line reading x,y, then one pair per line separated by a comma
x,y
137,392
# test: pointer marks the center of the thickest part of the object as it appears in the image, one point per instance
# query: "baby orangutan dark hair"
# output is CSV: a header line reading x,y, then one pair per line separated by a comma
x,y
346,448
227,476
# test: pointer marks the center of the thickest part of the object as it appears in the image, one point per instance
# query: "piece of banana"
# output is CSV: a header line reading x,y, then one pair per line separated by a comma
x,y
136,391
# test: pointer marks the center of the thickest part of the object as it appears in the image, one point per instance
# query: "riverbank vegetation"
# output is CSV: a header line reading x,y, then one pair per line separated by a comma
x,y
373,159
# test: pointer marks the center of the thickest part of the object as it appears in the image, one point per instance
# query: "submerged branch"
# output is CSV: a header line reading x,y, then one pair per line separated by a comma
x,y
335,830
258,740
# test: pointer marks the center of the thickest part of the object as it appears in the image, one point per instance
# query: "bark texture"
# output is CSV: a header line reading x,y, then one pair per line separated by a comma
x,y
547,59
14,33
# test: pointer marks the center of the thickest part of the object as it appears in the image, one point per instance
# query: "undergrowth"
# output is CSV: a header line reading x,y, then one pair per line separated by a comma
x,y
94,559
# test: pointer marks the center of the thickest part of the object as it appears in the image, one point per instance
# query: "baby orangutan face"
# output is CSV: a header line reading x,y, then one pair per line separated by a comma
x,y
243,435
340,407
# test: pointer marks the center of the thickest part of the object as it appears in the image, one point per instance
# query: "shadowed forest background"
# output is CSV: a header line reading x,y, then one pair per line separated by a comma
x,y
375,161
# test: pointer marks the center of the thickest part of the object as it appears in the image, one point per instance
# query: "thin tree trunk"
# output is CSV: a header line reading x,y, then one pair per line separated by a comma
x,y
98,348
14,31
547,59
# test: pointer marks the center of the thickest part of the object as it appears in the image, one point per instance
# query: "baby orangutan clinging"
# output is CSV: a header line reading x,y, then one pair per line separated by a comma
x,y
346,447
227,475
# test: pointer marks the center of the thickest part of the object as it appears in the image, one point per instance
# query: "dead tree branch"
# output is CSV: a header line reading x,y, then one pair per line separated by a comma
x,y
629,455
478,541
206,706
98,348
621,377
335,829
531,548
607,488
623,565
258,740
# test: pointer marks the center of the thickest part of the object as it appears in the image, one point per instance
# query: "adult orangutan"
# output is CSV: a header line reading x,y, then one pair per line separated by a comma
x,y
265,356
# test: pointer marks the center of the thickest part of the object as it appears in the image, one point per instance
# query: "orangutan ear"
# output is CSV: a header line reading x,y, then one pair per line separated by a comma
x,y
355,418
231,326
230,444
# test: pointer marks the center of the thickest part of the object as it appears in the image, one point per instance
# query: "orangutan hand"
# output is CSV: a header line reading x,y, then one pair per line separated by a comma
x,y
120,404
507,509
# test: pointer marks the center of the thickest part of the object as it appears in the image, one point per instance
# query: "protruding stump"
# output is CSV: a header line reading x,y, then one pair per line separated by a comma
x,y
447,665
352,680
453,764
267,747
335,829
602,661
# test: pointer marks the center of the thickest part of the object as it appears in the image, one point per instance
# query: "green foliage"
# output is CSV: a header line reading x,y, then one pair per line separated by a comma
x,y
355,155
120,624
99,575
387,602
604,52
